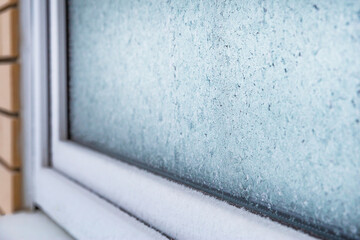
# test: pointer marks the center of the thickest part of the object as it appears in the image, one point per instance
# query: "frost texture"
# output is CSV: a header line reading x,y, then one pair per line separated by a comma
x,y
257,99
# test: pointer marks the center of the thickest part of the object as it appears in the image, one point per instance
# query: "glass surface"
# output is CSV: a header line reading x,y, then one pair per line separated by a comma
x,y
257,101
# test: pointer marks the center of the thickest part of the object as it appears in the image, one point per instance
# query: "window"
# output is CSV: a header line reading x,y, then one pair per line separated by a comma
x,y
254,104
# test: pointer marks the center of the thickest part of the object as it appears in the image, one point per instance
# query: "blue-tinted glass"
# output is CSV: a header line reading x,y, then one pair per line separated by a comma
x,y
259,100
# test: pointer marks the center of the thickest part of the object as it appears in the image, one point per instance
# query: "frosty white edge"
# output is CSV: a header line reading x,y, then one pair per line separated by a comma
x,y
86,192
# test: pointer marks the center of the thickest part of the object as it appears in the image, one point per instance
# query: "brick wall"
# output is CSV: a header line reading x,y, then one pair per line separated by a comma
x,y
10,159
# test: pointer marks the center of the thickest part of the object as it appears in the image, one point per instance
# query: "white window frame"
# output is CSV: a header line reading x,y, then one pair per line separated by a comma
x,y
94,196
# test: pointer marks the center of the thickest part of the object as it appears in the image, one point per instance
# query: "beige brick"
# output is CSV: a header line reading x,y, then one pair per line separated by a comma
x,y
9,34
9,87
5,3
9,141
10,190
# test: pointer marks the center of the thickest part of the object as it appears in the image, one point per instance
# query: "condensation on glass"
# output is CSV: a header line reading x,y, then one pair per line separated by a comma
x,y
258,100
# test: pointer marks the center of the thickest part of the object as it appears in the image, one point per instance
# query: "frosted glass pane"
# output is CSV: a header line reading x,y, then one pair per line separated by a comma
x,y
259,101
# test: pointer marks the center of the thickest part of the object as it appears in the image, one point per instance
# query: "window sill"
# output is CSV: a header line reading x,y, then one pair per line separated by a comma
x,y
30,226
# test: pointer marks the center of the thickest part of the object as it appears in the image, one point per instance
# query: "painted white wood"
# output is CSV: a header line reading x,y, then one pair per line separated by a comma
x,y
39,91
34,226
176,210
77,209
26,91
85,215
58,71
